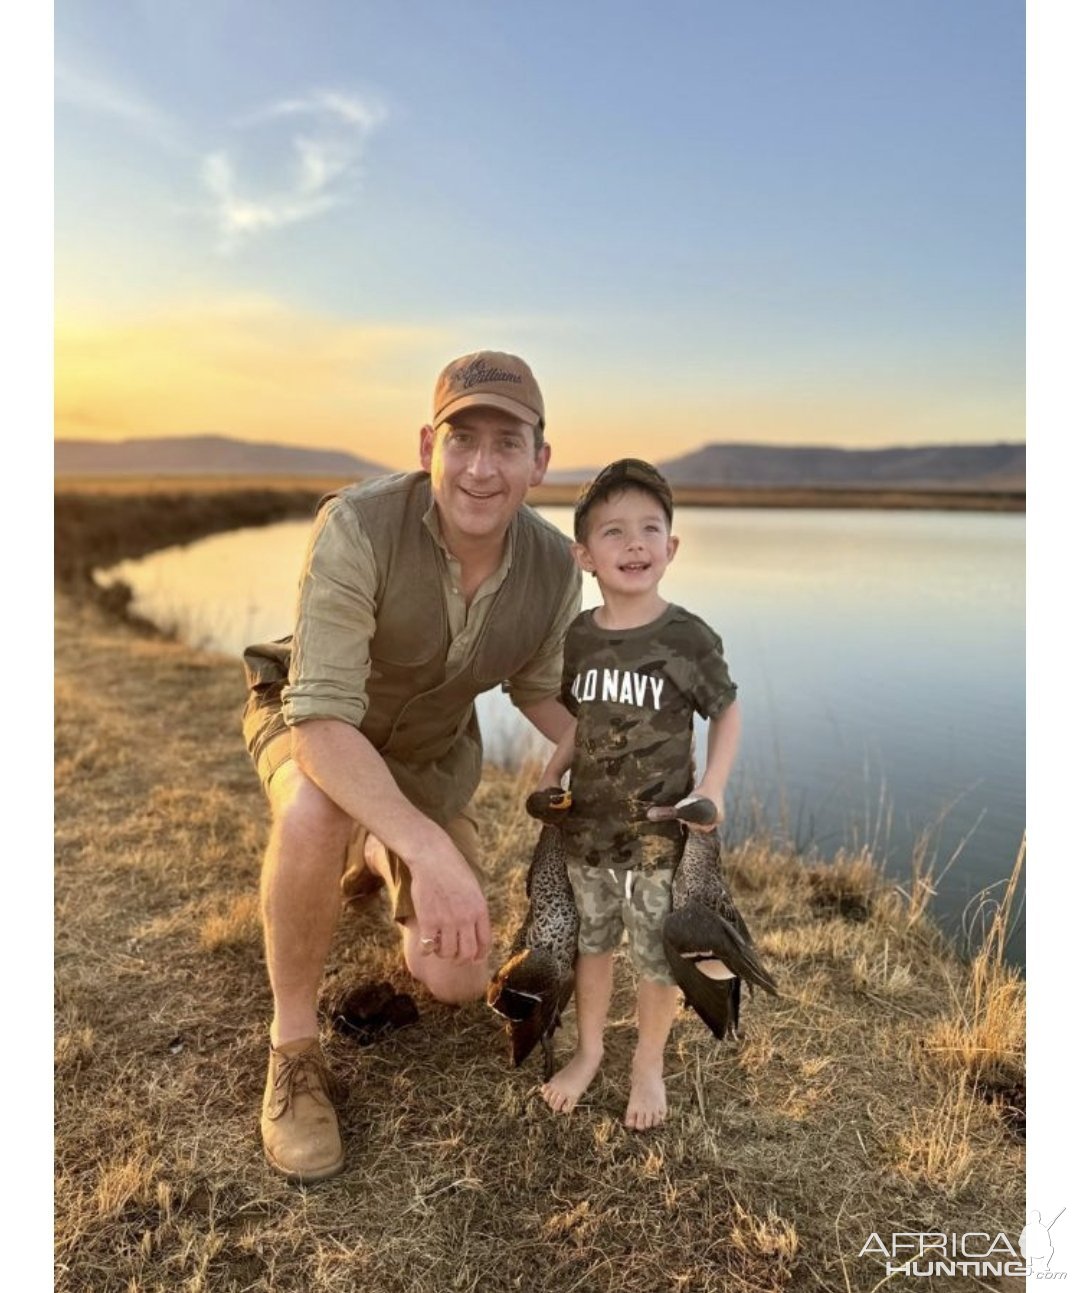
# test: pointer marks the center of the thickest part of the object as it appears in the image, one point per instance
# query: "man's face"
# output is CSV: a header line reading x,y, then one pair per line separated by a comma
x,y
482,464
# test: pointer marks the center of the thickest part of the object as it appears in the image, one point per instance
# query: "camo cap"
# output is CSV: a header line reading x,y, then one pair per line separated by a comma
x,y
617,475
489,379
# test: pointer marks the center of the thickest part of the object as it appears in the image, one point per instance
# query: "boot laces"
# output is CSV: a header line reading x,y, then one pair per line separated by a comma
x,y
303,1074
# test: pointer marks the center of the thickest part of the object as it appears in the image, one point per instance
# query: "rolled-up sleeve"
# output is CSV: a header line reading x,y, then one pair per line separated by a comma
x,y
335,621
541,677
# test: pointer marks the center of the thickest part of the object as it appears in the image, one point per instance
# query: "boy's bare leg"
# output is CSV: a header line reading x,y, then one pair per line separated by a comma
x,y
656,1007
593,978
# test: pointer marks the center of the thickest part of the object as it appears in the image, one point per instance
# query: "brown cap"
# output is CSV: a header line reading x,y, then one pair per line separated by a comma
x,y
489,379
617,475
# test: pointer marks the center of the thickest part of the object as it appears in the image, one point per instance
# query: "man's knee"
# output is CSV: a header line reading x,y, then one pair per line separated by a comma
x,y
454,983
304,818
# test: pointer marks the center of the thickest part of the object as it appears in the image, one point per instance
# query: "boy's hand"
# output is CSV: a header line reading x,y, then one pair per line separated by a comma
x,y
697,812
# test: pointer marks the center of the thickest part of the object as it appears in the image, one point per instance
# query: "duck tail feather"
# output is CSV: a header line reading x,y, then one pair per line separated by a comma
x,y
694,928
714,1000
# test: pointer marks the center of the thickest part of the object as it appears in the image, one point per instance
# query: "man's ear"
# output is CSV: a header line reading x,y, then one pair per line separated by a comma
x,y
540,465
427,446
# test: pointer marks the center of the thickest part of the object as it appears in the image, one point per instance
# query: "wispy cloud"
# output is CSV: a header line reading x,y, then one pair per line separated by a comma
x,y
362,114
324,151
96,95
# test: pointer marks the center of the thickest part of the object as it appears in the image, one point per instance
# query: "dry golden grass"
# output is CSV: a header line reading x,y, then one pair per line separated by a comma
x,y
937,1146
833,1117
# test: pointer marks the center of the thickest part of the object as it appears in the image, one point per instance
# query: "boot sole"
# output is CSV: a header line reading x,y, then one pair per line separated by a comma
x,y
307,1177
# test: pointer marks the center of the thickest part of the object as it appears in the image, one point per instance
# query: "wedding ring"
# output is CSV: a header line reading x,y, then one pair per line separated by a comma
x,y
427,942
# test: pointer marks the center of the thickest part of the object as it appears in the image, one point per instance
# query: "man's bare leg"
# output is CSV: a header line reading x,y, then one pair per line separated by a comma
x,y
593,977
657,1004
450,981
301,898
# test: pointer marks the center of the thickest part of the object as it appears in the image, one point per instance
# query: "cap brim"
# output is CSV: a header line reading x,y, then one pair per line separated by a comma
x,y
481,401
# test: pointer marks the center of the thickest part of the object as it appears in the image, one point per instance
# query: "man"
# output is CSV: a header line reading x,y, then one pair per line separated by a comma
x,y
419,591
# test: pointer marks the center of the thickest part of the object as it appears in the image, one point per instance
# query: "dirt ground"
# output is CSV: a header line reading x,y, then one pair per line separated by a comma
x,y
855,1103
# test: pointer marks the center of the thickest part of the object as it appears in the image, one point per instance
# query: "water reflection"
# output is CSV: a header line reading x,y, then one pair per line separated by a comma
x,y
880,659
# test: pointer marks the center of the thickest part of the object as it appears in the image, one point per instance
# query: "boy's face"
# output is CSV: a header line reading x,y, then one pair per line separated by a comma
x,y
627,543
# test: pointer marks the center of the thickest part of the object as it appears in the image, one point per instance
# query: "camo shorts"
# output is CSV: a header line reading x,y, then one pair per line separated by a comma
x,y
610,901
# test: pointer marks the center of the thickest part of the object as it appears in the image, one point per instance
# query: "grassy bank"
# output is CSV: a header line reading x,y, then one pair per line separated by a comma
x,y
881,1092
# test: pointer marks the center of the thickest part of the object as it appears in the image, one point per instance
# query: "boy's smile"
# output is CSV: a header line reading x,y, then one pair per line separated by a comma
x,y
628,546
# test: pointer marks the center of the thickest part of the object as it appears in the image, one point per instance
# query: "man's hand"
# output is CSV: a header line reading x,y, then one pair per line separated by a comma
x,y
451,911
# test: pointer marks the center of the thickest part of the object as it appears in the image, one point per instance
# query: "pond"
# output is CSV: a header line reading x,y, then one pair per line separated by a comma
x,y
879,657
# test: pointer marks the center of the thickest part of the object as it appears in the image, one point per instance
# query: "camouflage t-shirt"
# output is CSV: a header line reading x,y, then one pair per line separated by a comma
x,y
634,693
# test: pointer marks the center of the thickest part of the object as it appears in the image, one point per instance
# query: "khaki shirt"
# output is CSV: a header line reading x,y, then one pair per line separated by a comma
x,y
335,621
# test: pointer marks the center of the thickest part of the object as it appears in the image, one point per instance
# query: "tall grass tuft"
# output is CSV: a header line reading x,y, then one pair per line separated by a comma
x,y
984,1035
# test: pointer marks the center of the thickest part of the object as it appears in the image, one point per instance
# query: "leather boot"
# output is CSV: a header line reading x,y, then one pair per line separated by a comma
x,y
299,1125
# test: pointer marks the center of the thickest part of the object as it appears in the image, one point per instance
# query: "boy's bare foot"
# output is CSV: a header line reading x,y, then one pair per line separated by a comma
x,y
571,1082
647,1106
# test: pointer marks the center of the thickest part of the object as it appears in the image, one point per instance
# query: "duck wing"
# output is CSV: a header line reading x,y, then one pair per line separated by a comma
x,y
716,1001
530,990
694,933
705,925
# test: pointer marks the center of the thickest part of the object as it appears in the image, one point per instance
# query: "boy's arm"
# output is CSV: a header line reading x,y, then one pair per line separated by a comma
x,y
721,748
561,758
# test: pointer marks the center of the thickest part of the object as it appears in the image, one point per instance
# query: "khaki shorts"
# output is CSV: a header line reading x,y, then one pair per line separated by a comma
x,y
269,742
609,902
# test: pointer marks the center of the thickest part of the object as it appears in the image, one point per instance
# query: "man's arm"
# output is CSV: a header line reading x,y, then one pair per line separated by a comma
x,y
540,678
324,705
550,718
348,769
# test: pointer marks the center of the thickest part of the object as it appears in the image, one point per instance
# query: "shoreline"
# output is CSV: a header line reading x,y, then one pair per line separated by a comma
x,y
559,494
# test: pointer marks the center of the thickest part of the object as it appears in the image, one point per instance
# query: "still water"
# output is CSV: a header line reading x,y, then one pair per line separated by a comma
x,y
879,657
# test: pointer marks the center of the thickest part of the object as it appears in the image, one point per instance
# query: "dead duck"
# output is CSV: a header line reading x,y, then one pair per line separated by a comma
x,y
532,987
705,926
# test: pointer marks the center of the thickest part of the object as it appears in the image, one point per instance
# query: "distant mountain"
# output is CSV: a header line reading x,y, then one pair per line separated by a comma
x,y
207,455
979,466
952,466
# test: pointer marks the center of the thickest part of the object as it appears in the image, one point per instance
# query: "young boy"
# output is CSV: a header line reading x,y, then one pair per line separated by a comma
x,y
635,671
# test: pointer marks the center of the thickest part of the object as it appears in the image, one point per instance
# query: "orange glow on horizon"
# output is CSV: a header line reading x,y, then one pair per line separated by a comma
x,y
258,371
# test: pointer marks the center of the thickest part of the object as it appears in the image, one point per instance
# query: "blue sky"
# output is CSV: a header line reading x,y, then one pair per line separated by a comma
x,y
786,222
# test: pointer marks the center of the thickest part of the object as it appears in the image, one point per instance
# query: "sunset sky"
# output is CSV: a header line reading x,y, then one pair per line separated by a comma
x,y
791,223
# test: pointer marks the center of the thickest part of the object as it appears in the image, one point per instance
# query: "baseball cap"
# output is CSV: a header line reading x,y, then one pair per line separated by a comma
x,y
616,475
489,379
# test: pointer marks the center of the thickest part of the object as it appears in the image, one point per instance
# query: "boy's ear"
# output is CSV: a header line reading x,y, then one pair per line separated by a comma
x,y
672,545
581,556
